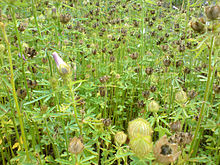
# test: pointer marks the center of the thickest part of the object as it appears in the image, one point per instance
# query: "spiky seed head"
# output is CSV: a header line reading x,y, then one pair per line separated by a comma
x,y
153,106
141,145
120,137
139,127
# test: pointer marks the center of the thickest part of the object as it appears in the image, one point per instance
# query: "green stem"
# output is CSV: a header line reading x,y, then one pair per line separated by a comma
x,y
194,147
20,50
20,116
74,108
35,18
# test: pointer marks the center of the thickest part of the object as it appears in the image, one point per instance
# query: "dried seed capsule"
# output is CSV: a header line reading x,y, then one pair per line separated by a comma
x,y
165,152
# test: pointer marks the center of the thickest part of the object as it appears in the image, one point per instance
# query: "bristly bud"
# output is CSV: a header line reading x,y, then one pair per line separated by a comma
x,y
75,146
63,68
141,145
120,137
139,127
181,97
153,106
212,12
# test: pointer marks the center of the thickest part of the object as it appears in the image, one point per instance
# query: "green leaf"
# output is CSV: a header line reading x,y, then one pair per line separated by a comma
x,y
37,99
63,161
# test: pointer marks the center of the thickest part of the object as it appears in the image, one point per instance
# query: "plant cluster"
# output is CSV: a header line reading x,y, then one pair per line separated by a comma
x,y
109,82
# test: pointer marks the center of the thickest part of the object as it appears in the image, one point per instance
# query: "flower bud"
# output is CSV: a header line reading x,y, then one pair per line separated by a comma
x,y
181,97
141,145
153,106
212,12
75,146
2,48
63,68
139,127
120,137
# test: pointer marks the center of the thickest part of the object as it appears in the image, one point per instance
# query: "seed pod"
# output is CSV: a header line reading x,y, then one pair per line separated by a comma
x,y
134,56
160,27
192,94
179,63
76,146
175,126
216,88
146,94
153,106
65,18
107,122
187,70
181,138
212,12
149,70
139,127
30,52
153,88
141,145
31,84
120,137
21,93
181,97
197,26
166,62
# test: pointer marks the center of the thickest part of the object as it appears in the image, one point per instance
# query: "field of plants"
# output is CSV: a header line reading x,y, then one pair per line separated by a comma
x,y
109,82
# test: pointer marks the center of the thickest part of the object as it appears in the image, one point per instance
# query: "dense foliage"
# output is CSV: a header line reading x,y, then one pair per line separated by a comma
x,y
109,82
